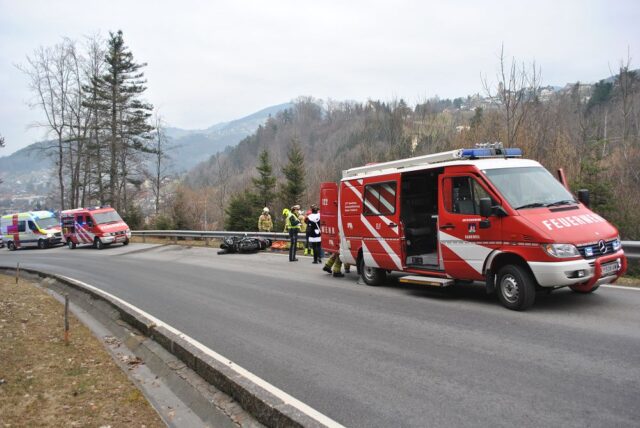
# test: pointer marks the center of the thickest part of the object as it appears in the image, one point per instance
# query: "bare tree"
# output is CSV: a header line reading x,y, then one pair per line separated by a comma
x,y
160,171
516,90
50,73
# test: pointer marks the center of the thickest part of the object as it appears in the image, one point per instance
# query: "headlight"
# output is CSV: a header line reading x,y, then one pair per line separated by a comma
x,y
616,244
561,251
107,234
49,235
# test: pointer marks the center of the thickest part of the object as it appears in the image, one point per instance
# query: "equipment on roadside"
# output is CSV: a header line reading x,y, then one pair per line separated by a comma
x,y
244,244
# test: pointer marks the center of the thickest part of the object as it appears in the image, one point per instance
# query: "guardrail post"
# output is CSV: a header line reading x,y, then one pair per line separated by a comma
x,y
175,239
206,242
144,238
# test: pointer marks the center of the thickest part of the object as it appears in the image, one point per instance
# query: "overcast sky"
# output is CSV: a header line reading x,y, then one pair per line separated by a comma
x,y
215,61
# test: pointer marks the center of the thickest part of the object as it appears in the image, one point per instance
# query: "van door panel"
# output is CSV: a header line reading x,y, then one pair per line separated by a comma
x,y
464,245
379,220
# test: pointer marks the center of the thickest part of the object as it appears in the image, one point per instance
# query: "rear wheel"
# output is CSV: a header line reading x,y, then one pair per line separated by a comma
x,y
371,275
71,244
516,288
41,244
11,246
98,244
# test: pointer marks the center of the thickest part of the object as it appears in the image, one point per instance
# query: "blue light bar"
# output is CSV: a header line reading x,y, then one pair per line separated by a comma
x,y
491,153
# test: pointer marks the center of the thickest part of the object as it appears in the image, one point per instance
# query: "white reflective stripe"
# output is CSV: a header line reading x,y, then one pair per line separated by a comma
x,y
354,190
386,203
367,257
471,253
385,245
359,195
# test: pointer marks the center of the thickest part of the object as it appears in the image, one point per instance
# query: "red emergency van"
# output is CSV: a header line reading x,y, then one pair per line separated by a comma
x,y
482,214
99,226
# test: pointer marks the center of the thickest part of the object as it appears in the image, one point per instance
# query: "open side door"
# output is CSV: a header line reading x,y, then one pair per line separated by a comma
x,y
329,217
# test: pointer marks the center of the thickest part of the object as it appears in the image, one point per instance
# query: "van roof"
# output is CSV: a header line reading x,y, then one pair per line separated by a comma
x,y
398,167
30,214
90,209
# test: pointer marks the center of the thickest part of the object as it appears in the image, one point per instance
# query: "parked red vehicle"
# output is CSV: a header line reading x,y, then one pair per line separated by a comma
x,y
480,214
99,226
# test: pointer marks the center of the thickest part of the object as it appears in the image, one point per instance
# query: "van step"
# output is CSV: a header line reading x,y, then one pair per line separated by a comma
x,y
426,280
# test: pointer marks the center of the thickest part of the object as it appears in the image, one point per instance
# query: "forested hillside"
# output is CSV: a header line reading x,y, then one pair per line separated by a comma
x,y
592,131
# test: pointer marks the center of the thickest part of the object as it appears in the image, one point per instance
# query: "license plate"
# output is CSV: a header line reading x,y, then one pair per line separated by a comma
x,y
610,268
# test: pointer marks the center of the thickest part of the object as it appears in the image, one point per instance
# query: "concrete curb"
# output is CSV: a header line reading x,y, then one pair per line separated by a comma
x,y
269,405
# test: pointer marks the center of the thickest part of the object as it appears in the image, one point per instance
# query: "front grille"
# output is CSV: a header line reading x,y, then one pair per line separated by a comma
x,y
57,234
592,251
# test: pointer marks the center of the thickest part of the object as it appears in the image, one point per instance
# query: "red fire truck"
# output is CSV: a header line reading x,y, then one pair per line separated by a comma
x,y
99,226
482,214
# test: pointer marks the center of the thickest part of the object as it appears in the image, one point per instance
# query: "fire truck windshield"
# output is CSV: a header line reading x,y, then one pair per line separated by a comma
x,y
106,217
47,222
529,187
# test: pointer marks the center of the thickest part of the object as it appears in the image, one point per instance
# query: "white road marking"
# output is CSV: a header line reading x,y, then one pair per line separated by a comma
x,y
288,399
622,287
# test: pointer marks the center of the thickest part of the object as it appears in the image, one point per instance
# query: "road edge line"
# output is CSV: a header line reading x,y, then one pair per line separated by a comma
x,y
266,402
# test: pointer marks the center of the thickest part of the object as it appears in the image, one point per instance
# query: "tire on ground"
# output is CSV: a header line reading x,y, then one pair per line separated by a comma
x,y
516,287
371,275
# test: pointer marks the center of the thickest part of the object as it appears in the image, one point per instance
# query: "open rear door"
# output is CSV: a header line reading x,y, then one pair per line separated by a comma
x,y
329,217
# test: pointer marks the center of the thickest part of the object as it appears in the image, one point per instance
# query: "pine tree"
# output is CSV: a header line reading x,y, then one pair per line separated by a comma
x,y
118,92
265,184
293,171
240,214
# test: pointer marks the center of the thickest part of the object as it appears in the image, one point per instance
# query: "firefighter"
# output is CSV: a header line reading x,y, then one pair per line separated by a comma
x,y
307,246
334,266
292,224
265,224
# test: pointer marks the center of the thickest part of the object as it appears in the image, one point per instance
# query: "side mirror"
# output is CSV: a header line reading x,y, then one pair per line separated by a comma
x,y
583,196
485,207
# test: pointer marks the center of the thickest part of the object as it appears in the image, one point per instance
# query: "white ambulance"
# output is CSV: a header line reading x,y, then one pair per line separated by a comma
x,y
30,229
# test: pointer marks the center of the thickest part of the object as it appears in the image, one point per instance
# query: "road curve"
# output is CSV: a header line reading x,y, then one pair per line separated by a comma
x,y
395,355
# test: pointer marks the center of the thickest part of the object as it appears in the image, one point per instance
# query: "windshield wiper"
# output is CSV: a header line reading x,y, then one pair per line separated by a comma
x,y
532,205
563,202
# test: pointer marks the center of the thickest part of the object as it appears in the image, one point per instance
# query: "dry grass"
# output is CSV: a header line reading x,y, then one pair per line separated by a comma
x,y
45,383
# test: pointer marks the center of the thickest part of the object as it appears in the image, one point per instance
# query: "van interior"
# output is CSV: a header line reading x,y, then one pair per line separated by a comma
x,y
419,215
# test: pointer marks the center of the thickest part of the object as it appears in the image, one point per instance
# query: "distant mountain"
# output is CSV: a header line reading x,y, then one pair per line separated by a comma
x,y
27,159
190,147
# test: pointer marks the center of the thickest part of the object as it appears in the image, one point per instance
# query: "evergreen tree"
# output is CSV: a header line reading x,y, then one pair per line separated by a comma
x,y
118,93
293,171
265,184
240,214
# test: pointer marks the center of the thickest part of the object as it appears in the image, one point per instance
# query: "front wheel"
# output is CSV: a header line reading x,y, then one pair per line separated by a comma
x,y
371,275
516,287
71,244
41,244
125,242
98,244
11,246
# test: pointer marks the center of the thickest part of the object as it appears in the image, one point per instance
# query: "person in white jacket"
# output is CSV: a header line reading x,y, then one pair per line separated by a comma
x,y
313,233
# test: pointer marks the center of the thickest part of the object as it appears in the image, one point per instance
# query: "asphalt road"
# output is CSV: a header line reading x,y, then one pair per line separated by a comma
x,y
390,356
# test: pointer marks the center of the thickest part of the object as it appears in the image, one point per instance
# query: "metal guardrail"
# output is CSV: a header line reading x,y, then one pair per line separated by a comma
x,y
209,234
631,248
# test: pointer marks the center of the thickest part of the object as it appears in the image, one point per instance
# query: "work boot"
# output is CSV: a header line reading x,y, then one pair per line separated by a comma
x,y
338,274
327,269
